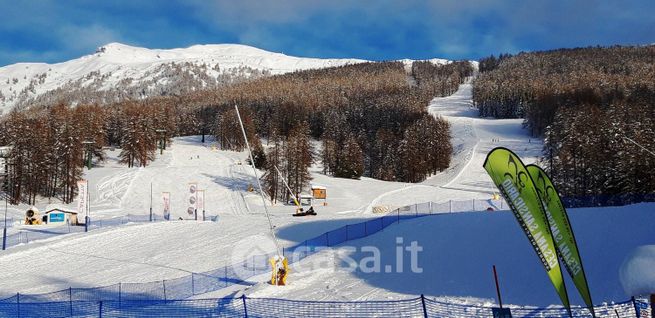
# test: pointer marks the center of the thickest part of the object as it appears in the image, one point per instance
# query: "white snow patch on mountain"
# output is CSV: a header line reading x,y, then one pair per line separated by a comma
x,y
119,64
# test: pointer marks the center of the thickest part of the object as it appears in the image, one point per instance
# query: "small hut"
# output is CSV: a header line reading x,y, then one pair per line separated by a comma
x,y
61,216
319,193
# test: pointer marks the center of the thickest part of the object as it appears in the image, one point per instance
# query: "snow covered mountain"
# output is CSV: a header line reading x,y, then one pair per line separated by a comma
x,y
116,71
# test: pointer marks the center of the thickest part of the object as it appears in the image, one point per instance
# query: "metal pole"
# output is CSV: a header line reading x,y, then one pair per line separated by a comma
x,y
500,301
295,199
87,220
425,311
259,184
150,201
640,146
245,308
4,231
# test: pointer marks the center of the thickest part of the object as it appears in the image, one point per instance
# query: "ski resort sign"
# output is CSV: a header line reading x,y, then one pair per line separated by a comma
x,y
515,184
562,231
82,192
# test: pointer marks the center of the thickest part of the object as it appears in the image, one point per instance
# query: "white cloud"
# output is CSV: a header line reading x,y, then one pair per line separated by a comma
x,y
86,37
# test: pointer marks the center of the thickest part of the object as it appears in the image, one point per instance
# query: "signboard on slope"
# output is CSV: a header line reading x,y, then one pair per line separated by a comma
x,y
166,200
56,217
193,198
82,190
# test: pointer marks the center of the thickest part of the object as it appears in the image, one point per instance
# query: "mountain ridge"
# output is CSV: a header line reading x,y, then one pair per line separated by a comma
x,y
117,71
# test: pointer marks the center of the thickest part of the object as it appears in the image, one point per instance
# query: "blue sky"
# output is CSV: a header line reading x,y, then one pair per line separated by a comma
x,y
55,31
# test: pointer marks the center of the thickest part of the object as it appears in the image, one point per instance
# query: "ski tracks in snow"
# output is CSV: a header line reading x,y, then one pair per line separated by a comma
x,y
112,189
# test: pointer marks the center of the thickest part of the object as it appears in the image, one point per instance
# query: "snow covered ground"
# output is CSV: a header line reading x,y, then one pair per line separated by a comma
x,y
458,249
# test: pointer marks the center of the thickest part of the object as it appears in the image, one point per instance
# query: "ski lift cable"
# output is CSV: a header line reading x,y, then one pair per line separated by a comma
x,y
261,192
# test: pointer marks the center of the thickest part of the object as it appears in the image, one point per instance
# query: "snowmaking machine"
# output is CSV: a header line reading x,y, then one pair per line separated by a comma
x,y
279,263
280,270
32,216
299,210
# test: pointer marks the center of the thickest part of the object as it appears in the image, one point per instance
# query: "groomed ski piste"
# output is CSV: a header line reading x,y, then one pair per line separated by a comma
x,y
453,265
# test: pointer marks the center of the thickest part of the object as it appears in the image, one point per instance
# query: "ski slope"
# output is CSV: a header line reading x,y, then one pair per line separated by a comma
x,y
116,190
472,138
458,249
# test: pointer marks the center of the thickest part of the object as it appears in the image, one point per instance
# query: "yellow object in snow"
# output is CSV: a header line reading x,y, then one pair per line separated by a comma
x,y
32,217
280,271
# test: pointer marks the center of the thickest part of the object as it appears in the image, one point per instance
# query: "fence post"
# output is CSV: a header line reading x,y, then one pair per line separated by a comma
x,y
193,287
425,311
473,204
4,237
100,309
430,207
119,294
397,216
634,304
163,282
18,304
70,300
451,206
245,309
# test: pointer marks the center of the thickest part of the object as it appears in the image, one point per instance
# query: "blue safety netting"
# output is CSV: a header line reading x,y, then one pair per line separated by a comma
x,y
419,307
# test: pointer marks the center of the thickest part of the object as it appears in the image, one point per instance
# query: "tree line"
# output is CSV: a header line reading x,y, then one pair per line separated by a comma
x,y
370,119
586,102
47,151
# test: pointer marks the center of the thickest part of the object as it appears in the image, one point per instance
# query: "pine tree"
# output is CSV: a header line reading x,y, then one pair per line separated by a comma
x,y
298,158
351,163
273,184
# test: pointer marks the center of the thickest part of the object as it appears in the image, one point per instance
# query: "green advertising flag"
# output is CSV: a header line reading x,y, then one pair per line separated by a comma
x,y
515,184
562,231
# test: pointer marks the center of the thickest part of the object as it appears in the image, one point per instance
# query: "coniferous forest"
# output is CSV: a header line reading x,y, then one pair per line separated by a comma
x,y
589,104
366,119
